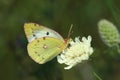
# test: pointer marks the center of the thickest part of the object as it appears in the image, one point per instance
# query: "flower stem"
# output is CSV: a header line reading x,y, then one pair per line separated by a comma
x,y
97,76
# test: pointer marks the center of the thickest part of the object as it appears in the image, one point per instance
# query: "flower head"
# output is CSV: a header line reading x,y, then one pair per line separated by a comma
x,y
76,52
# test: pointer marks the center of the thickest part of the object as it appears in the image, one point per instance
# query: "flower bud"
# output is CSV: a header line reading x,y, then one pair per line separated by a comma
x,y
108,32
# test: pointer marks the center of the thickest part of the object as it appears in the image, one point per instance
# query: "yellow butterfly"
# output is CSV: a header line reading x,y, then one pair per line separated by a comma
x,y
44,43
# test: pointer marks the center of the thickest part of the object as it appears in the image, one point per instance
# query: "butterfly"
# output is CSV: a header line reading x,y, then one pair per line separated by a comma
x,y
43,43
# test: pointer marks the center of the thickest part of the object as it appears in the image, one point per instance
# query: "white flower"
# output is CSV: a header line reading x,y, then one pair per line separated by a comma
x,y
76,52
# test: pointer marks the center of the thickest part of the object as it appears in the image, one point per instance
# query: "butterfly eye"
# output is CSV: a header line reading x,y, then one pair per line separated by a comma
x,y
47,33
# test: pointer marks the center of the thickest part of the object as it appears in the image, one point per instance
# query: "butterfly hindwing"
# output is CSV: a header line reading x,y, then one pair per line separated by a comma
x,y
44,49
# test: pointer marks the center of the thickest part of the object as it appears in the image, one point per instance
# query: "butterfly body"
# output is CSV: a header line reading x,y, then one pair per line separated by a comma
x,y
44,43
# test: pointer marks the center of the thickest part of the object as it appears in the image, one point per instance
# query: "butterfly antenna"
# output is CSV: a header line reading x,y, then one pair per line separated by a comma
x,y
70,31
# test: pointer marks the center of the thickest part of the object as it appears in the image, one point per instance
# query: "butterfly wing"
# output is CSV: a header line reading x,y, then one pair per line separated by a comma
x,y
44,49
34,31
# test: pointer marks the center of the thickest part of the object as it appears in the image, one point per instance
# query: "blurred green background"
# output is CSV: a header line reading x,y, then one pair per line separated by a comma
x,y
15,64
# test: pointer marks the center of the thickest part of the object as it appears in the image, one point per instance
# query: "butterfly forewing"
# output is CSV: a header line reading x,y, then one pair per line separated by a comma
x,y
34,31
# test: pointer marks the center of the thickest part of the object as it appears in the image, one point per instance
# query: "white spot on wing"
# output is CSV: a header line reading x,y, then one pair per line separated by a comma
x,y
45,46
